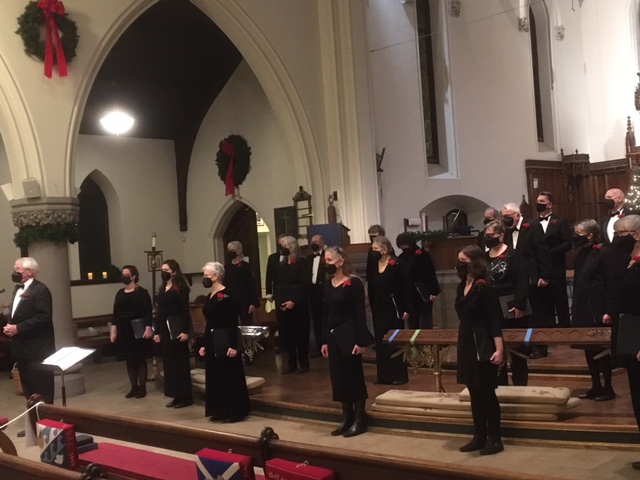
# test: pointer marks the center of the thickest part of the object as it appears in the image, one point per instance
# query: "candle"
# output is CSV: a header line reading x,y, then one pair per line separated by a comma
x,y
90,276
153,240
104,274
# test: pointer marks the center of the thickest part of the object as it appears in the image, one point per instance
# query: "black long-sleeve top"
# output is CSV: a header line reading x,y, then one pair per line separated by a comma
x,y
239,280
421,269
507,279
128,306
292,283
172,302
221,311
343,304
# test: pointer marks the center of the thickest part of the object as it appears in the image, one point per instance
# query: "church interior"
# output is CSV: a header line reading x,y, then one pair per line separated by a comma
x,y
416,115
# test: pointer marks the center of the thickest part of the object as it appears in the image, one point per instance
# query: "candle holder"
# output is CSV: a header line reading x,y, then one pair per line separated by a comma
x,y
154,263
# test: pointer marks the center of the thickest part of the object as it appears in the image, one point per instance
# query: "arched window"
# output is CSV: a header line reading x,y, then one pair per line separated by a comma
x,y
542,74
93,228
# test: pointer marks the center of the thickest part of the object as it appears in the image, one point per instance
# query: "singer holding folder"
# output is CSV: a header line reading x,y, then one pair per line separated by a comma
x,y
345,338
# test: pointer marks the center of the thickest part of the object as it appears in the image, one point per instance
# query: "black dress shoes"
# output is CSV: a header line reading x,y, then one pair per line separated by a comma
x,y
172,403
476,443
132,393
142,392
183,403
591,394
287,371
605,396
302,370
635,465
493,446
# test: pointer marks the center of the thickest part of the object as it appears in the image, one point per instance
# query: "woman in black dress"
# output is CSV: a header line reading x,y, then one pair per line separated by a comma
x,y
291,294
589,303
227,397
172,330
623,290
132,303
389,307
344,306
479,312
508,281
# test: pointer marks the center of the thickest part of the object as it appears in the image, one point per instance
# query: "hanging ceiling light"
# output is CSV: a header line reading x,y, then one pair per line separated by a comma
x,y
117,122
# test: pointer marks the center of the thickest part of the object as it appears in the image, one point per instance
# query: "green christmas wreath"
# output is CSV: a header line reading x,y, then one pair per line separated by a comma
x,y
31,25
56,232
241,158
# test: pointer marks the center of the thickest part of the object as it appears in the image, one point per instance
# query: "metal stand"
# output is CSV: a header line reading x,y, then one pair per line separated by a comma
x,y
154,262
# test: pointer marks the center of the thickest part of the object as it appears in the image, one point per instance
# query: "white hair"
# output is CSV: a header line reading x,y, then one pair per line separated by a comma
x,y
511,206
236,245
292,244
29,263
214,267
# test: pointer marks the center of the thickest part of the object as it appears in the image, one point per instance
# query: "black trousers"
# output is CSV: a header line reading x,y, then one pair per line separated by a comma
x,y
519,365
633,372
297,327
316,302
36,380
421,315
548,303
485,409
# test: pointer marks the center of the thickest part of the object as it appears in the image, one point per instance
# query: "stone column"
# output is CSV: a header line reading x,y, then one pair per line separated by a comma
x,y
35,218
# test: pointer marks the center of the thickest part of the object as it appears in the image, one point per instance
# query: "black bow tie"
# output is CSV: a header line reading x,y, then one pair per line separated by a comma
x,y
544,219
19,286
615,214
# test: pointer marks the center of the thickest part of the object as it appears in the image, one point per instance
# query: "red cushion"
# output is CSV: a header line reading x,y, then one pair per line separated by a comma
x,y
139,464
3,420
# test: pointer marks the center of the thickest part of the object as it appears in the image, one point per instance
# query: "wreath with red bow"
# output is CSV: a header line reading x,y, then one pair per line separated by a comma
x,y
233,161
48,16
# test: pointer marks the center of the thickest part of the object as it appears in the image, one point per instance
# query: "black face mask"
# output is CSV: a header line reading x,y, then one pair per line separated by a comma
x,y
231,256
315,247
463,269
408,250
207,282
376,256
541,207
165,276
579,240
16,277
488,220
330,268
126,279
609,203
285,251
491,242
623,244
508,222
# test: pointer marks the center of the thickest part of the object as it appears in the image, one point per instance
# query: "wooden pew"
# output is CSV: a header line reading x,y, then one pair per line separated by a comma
x,y
431,343
13,467
349,465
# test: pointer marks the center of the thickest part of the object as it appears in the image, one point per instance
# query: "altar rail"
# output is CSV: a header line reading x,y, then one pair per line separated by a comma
x,y
512,337
351,465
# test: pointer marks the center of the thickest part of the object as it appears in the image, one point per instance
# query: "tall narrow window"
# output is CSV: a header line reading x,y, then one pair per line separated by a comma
x,y
93,229
542,73
427,76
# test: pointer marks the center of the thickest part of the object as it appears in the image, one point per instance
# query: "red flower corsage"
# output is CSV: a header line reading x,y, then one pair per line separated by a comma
x,y
347,283
220,296
239,264
596,247
419,251
174,287
322,260
480,281
24,295
392,262
635,259
525,226
502,256
292,261
554,222
621,215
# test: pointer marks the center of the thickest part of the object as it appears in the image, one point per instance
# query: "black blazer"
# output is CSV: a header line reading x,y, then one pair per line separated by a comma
x,y
557,240
321,278
531,254
273,263
33,317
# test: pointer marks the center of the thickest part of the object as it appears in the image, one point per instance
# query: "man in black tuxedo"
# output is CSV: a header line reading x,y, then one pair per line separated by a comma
x,y
30,328
552,301
316,298
614,201
273,264
531,259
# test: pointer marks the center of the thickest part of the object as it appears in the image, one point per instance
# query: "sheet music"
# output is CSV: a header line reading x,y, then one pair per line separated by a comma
x,y
67,357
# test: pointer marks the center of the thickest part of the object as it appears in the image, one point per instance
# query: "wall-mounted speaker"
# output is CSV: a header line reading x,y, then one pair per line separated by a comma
x,y
31,188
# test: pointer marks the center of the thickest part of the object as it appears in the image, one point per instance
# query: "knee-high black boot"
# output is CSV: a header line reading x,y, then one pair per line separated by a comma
x,y
360,421
347,419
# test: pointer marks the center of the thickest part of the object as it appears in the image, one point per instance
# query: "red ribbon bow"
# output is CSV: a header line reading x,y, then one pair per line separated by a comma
x,y
227,149
51,8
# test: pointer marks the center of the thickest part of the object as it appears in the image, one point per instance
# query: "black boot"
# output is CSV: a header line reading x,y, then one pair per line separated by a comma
x,y
347,419
493,446
477,443
360,421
